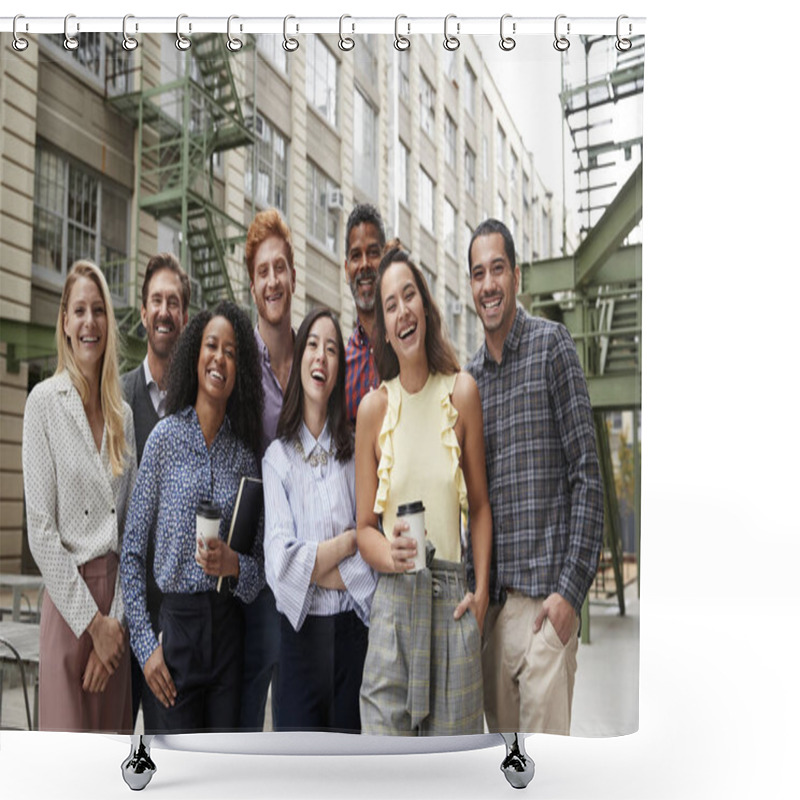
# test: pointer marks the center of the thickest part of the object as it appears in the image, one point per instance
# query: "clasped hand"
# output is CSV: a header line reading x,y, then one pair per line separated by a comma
x,y
216,558
403,549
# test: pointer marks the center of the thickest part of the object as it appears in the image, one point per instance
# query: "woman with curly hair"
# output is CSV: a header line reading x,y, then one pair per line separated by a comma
x,y
197,454
322,586
79,465
419,437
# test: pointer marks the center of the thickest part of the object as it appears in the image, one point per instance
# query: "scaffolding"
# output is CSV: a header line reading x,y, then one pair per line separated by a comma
x,y
183,125
597,290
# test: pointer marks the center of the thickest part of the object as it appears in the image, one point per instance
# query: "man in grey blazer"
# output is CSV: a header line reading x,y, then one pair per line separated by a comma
x,y
165,310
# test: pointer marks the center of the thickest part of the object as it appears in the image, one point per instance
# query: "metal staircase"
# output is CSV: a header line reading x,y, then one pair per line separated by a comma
x,y
597,291
182,125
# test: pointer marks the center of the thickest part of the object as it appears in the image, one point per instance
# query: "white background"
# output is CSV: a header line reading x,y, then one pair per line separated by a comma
x,y
720,605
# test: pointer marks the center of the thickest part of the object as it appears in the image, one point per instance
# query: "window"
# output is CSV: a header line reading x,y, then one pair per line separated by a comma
x,y
450,135
427,106
485,157
366,56
403,188
102,57
430,279
514,170
450,63
526,187
472,332
546,235
469,170
500,145
365,145
450,222
515,232
453,309
322,79
470,85
323,208
404,89
270,45
500,207
266,172
426,216
79,214
526,248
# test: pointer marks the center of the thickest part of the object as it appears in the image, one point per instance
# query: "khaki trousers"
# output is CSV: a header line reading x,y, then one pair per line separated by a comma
x,y
528,677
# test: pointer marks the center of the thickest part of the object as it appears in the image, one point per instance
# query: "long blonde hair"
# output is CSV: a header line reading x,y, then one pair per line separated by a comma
x,y
110,392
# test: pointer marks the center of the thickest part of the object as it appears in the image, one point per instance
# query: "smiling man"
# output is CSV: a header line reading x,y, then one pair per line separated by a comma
x,y
165,310
365,238
269,254
545,492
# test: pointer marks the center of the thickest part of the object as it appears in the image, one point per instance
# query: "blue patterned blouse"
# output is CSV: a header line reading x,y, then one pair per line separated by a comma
x,y
177,471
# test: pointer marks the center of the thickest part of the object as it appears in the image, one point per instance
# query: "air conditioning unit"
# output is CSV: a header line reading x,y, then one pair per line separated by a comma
x,y
335,200
458,308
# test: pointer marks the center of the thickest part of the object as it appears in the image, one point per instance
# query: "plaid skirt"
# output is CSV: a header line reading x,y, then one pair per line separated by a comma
x,y
422,674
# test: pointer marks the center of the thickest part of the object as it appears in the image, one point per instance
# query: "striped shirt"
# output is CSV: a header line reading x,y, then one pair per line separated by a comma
x,y
310,497
543,474
361,374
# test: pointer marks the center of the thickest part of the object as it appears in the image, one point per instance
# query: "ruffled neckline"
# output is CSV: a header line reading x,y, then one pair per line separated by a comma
x,y
443,389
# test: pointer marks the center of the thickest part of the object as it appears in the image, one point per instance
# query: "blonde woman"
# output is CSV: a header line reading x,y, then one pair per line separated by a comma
x,y
79,467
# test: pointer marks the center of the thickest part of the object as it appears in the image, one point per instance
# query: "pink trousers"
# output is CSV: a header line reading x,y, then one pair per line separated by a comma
x,y
63,705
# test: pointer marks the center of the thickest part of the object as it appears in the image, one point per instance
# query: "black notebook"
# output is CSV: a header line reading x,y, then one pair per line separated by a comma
x,y
246,518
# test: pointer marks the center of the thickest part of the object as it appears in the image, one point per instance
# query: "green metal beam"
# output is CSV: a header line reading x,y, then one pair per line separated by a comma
x,y
619,219
558,274
25,341
615,391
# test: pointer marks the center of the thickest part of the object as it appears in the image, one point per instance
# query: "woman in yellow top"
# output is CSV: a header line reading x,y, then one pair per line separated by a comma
x,y
419,436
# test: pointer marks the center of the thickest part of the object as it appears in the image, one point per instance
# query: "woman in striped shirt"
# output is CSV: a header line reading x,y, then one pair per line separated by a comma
x,y
323,588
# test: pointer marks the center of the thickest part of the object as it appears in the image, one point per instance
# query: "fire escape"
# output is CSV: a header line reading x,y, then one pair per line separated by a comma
x,y
597,291
183,125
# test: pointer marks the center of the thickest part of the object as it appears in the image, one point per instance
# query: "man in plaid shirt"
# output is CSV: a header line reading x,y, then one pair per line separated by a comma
x,y
365,239
546,495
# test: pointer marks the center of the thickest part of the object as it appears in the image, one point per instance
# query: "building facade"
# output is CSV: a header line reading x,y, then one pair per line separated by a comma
x,y
115,156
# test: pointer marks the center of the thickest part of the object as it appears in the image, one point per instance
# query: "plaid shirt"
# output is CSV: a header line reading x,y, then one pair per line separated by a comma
x,y
544,480
361,374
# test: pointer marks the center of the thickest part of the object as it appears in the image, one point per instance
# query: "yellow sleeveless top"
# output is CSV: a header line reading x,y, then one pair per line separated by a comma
x,y
420,461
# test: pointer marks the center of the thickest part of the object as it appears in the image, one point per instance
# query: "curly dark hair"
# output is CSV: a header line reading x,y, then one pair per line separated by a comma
x,y
292,410
244,409
364,213
441,356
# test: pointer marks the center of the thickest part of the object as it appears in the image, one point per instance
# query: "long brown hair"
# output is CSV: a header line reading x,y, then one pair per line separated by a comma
x,y
110,391
441,356
292,410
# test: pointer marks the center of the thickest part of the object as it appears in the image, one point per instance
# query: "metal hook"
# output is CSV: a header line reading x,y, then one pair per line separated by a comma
x,y
622,44
401,42
506,42
70,42
128,42
234,43
290,44
561,43
451,42
19,43
181,42
346,42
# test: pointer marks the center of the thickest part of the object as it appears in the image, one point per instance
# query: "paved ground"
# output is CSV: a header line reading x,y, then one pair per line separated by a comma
x,y
606,701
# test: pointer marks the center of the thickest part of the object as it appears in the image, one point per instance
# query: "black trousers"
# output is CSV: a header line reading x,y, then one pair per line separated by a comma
x,y
202,641
320,672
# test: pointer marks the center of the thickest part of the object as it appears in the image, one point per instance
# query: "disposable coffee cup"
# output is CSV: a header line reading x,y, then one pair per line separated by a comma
x,y
414,515
207,524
